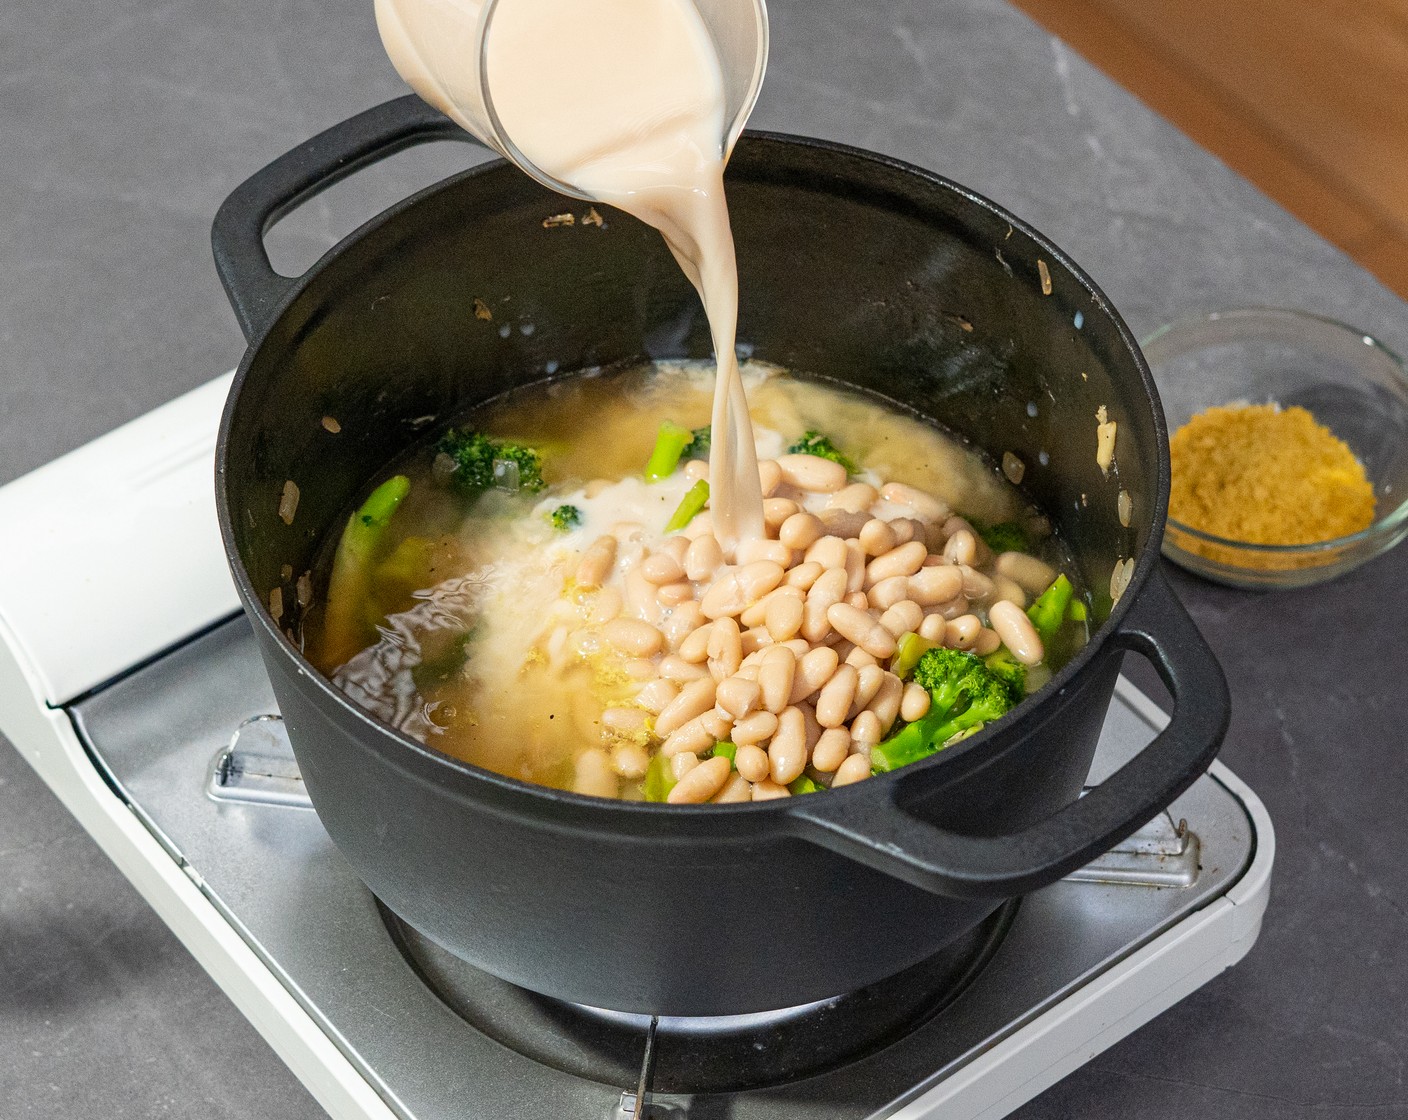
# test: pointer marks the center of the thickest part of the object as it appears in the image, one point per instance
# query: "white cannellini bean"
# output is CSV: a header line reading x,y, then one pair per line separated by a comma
x,y
855,567
787,753
927,506
877,537
861,628
858,600
656,696
694,699
755,639
902,560
725,649
640,670
804,575
695,646
831,749
597,562
962,632
640,595
682,763
775,675
630,635
604,606
749,552
661,568
1016,631
704,558
754,729
769,476
696,469
856,497
914,702
700,526
811,472
854,769
718,723
592,774
677,669
976,586
737,788
858,657
701,783
865,732
625,721
768,790
685,618
1033,575
987,642
783,617
906,529
691,738
833,702
829,552
801,530
752,761
812,671
826,592
886,704
931,586
933,628
630,760
902,618
739,696
756,579
954,608
869,678
1008,590
725,596
776,511
888,592
673,594
961,548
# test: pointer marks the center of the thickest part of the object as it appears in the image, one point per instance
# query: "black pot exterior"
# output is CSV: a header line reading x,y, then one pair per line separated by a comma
x,y
852,267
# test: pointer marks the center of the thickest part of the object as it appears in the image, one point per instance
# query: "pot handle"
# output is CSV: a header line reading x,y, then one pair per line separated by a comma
x,y
876,830
237,236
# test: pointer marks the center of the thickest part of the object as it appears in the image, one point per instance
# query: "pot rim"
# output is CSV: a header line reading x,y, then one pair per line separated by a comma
x,y
424,763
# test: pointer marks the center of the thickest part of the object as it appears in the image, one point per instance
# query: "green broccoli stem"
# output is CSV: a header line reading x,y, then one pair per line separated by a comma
x,y
911,743
695,499
1049,611
346,631
670,443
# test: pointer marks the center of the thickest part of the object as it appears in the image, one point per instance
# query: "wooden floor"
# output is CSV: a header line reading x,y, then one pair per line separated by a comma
x,y
1306,98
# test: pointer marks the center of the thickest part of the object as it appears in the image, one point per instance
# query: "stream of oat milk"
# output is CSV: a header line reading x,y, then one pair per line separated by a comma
x,y
624,101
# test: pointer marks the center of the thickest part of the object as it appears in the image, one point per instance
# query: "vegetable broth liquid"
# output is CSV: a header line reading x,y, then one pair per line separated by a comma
x,y
623,100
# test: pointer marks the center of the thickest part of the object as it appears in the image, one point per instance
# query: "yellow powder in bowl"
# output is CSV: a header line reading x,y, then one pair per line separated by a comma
x,y
1267,475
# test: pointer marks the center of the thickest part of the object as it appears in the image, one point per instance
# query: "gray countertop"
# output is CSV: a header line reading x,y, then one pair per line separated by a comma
x,y
122,127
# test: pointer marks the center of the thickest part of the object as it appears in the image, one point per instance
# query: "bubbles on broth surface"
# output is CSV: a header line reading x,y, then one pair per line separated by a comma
x,y
479,641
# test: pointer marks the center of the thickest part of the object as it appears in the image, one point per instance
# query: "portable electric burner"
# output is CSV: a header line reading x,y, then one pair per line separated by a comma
x,y
132,684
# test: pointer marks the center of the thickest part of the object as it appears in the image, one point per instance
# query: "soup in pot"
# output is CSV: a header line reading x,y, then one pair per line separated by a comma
x,y
540,591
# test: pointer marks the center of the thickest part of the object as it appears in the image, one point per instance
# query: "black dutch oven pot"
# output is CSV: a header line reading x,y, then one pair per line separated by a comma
x,y
853,267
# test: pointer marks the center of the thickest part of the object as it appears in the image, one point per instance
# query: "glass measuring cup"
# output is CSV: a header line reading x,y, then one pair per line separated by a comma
x,y
429,42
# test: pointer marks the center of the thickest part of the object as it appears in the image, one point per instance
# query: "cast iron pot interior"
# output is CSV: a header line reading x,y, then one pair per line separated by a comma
x,y
852,267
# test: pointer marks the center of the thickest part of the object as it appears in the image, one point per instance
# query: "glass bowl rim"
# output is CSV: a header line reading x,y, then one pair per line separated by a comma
x,y
1392,520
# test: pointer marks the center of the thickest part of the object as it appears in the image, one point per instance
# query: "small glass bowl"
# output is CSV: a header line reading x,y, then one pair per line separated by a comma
x,y
1349,382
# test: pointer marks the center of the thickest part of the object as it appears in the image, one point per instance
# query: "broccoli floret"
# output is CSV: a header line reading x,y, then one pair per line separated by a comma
x,y
1005,536
1009,670
564,518
964,694
698,447
482,463
814,443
